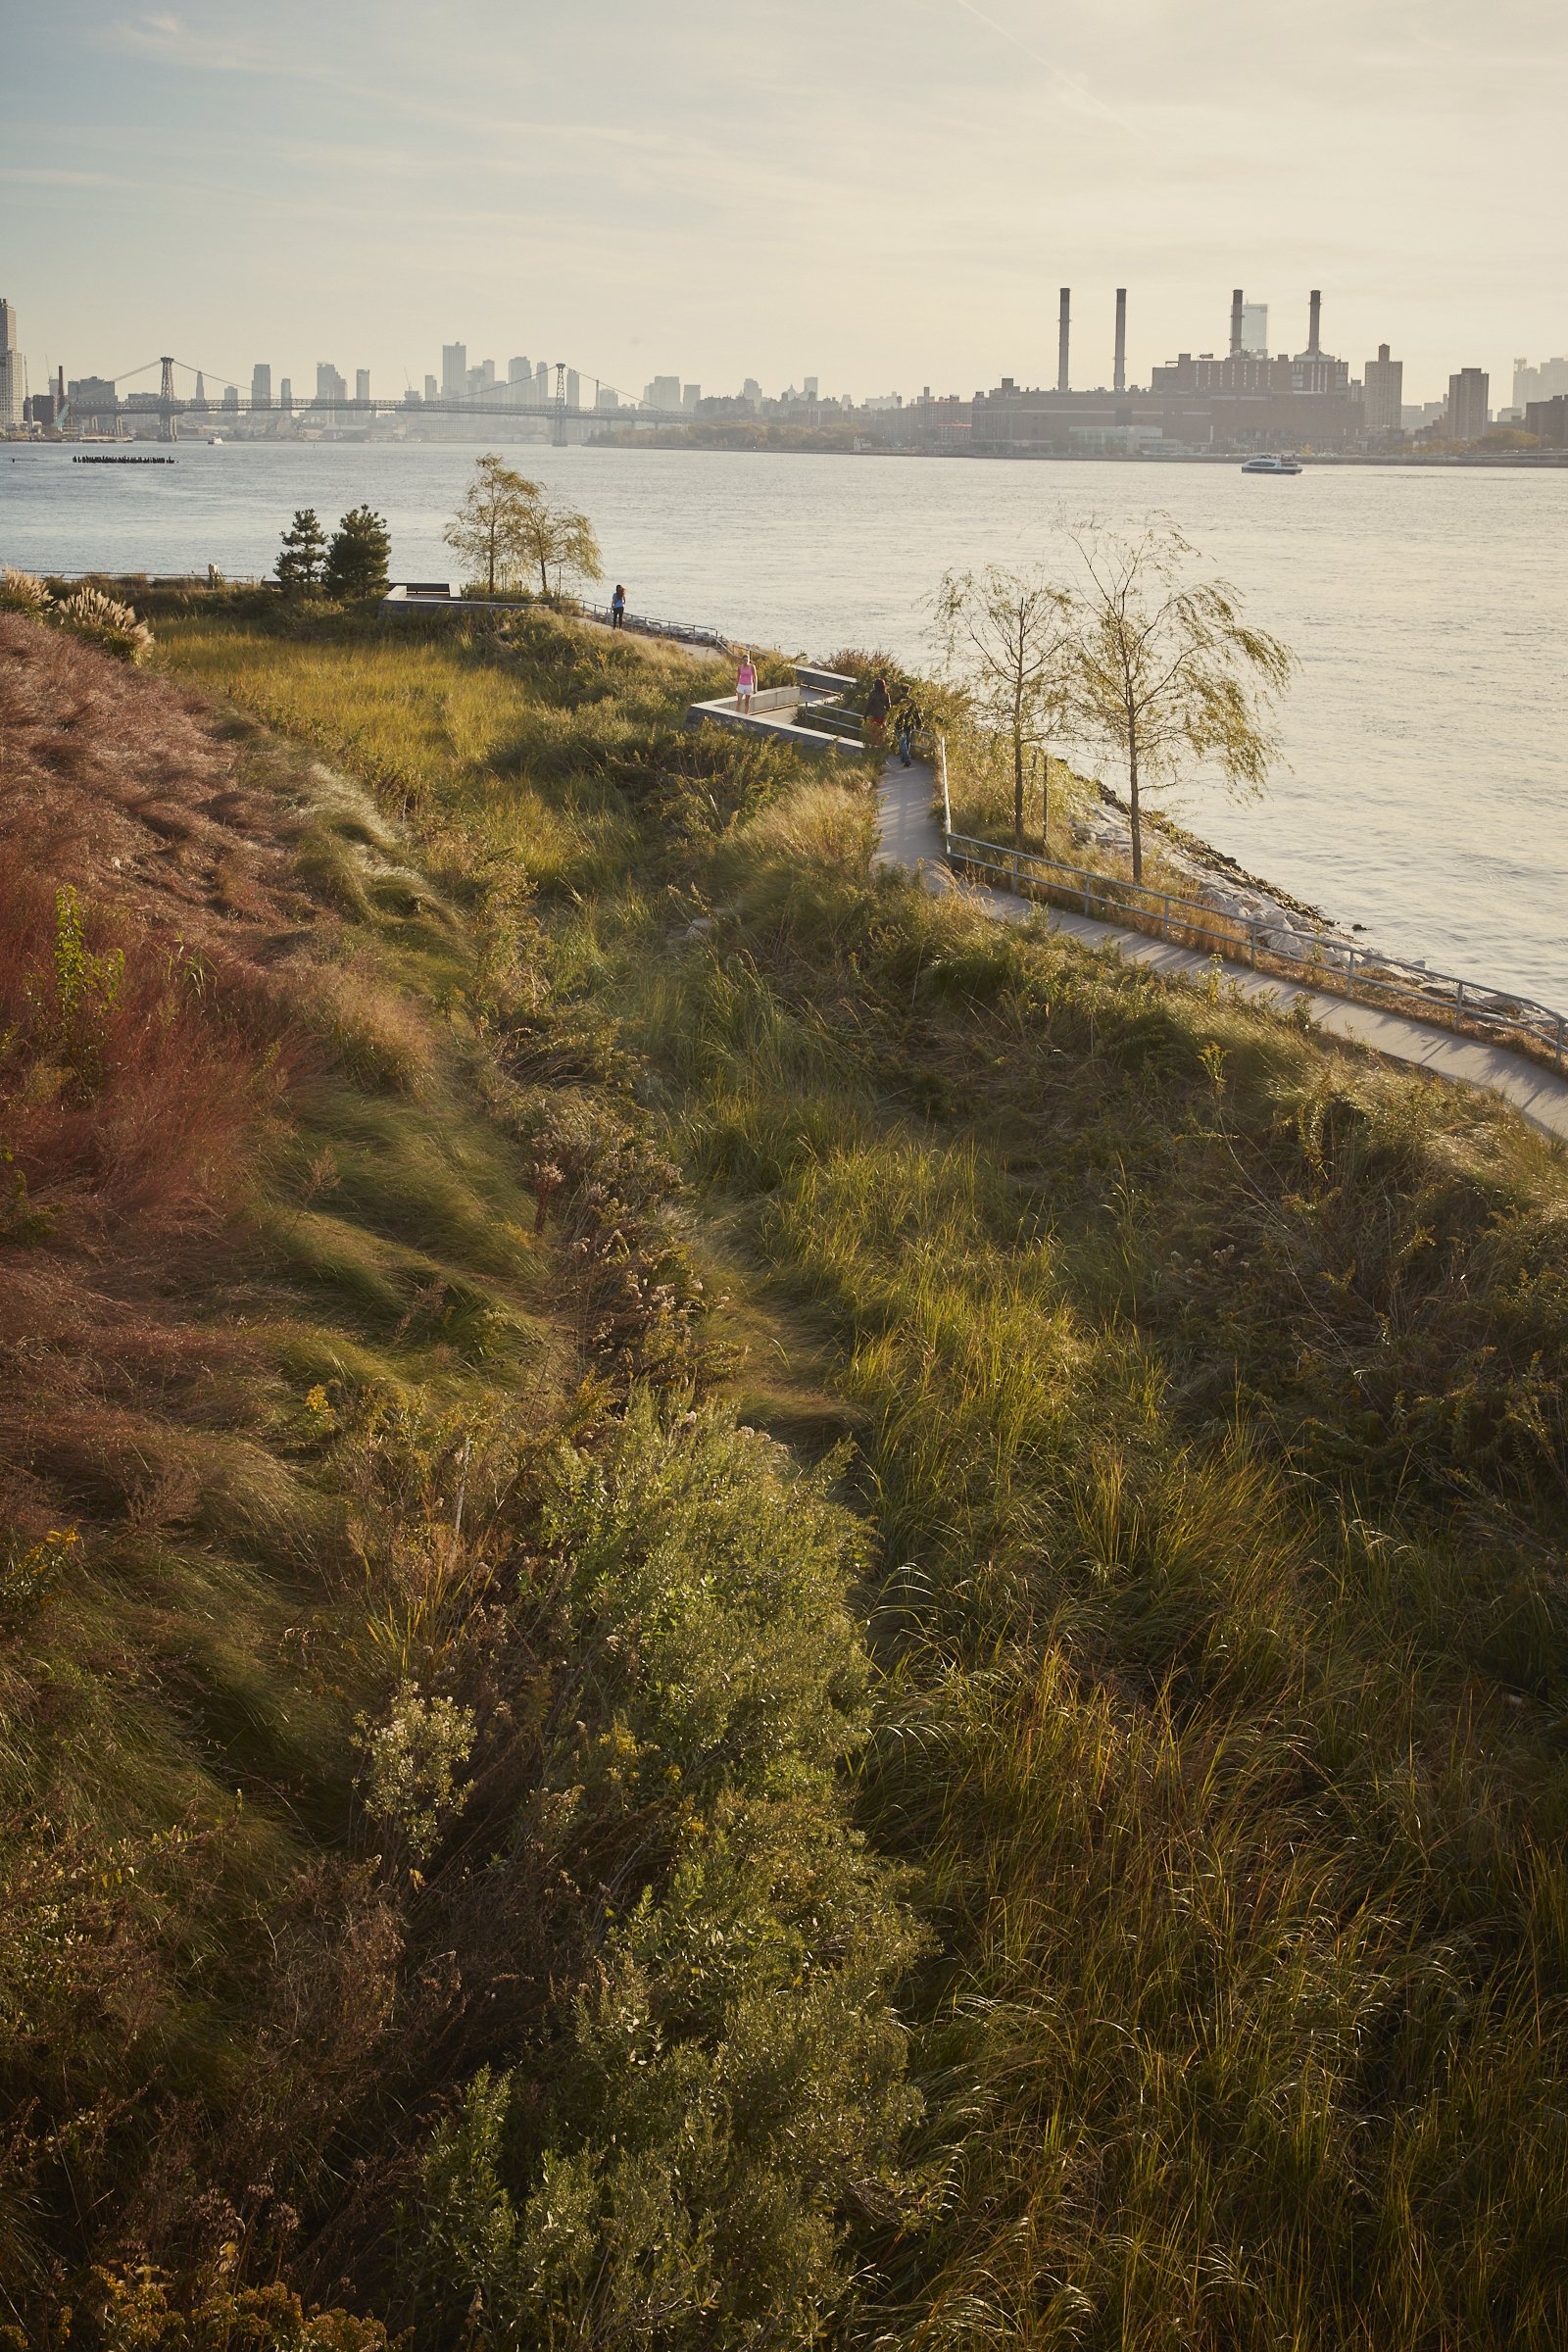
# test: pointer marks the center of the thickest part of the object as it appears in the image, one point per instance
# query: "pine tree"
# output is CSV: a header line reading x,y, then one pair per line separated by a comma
x,y
300,559
356,559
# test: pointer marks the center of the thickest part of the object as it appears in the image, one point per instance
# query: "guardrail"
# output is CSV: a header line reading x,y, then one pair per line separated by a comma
x,y
1333,964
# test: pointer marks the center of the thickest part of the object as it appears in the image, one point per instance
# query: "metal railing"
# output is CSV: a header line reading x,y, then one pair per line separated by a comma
x,y
687,632
1362,973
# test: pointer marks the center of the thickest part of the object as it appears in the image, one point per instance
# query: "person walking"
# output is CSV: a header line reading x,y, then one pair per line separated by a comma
x,y
907,724
745,681
877,705
617,608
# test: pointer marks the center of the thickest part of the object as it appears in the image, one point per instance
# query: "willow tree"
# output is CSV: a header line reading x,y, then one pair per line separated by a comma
x,y
1009,640
489,528
1168,670
560,542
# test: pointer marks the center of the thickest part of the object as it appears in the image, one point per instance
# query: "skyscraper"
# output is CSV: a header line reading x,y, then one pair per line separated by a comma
x,y
430,388
519,372
329,385
285,397
454,370
1254,331
1383,392
1467,404
11,369
260,386
361,385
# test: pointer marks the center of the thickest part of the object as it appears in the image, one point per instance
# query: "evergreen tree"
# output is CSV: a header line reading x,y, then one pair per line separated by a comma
x,y
356,559
303,552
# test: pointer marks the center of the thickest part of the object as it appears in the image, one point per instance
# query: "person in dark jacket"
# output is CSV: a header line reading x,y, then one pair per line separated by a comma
x,y
877,705
617,608
906,725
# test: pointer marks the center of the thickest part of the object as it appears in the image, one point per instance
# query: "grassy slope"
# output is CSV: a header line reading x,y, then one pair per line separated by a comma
x,y
1207,1388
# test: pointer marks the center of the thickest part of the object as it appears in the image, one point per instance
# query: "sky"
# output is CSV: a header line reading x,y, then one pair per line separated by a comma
x,y
881,193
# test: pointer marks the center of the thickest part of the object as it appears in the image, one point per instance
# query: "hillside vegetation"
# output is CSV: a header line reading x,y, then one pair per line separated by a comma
x,y
740,1613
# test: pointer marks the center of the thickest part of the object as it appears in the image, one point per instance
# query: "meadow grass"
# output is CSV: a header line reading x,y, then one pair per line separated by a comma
x,y
1209,1459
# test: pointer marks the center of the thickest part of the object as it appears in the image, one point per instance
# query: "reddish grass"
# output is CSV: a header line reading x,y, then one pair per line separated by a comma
x,y
120,1186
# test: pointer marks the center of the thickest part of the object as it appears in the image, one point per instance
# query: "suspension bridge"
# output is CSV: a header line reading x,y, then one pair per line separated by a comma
x,y
508,402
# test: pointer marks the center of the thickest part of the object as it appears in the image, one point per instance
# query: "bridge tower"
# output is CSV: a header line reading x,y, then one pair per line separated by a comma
x,y
165,401
558,436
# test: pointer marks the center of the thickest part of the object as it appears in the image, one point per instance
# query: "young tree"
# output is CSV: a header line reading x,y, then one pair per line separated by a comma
x,y
358,559
1010,637
303,553
1166,667
488,528
562,542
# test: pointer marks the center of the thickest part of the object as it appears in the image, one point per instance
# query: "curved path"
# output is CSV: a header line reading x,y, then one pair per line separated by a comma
x,y
909,836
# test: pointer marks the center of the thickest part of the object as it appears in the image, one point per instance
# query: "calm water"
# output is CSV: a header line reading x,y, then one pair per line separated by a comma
x,y
1426,795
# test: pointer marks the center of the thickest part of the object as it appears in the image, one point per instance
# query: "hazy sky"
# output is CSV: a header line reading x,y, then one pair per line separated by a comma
x,y
880,195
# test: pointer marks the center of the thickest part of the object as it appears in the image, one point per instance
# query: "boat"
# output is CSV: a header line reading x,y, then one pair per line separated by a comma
x,y
1271,464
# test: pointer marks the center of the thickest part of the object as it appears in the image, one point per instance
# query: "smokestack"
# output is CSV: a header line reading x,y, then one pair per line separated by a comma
x,y
1119,380
1062,332
1314,318
1235,324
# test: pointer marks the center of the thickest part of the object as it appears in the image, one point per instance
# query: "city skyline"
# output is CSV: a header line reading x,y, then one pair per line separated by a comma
x,y
906,187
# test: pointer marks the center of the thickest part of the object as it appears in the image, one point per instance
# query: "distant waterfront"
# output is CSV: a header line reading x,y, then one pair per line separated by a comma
x,y
1429,604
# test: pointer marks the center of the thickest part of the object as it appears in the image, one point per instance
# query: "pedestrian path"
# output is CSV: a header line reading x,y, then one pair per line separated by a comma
x,y
910,838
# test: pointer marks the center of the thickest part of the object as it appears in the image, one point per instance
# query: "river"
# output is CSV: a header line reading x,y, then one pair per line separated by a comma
x,y
1424,796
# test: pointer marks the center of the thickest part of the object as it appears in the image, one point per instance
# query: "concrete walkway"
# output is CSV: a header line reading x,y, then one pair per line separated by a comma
x,y
909,837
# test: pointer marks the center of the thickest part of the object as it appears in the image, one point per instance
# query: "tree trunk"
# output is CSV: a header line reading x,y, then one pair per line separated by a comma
x,y
1045,803
1132,799
1017,794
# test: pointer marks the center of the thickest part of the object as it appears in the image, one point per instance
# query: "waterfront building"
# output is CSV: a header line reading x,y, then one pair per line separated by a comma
x,y
95,400
662,393
1383,392
361,385
1547,420
454,370
260,386
1467,413
12,372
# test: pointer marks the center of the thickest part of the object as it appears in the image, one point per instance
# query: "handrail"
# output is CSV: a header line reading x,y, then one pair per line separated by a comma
x,y
1335,964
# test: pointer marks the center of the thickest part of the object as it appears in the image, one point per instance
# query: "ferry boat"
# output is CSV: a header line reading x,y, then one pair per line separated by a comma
x,y
1271,464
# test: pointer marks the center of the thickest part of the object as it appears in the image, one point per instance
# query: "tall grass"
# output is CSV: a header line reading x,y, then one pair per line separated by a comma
x,y
1206,1382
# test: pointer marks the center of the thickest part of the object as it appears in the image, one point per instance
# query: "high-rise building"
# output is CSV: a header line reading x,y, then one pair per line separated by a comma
x,y
230,399
260,386
329,385
454,370
573,389
752,391
1467,404
1254,331
541,382
809,389
519,372
285,396
606,397
662,393
430,390
361,386
689,395
1539,383
1383,392
11,387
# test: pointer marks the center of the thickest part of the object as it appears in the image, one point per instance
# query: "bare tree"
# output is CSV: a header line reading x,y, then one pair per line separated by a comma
x,y
488,528
1010,639
1167,668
